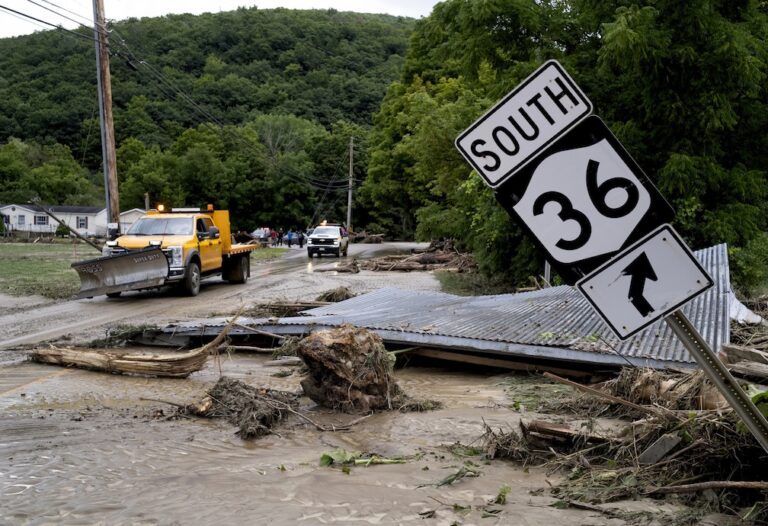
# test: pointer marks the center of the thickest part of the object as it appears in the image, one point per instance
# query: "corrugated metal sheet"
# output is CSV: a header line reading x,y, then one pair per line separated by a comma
x,y
555,323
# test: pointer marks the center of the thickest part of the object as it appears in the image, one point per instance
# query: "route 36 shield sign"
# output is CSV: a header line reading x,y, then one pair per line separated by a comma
x,y
584,199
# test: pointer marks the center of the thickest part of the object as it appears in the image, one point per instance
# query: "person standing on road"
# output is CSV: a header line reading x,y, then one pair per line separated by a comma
x,y
290,238
301,239
280,237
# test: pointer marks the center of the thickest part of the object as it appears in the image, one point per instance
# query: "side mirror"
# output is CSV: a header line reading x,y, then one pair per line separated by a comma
x,y
213,233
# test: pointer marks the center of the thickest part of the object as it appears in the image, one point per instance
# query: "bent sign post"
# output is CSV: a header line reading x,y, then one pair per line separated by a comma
x,y
601,222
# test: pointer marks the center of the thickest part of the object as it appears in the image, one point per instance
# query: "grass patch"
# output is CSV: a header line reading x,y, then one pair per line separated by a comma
x,y
43,269
472,284
265,254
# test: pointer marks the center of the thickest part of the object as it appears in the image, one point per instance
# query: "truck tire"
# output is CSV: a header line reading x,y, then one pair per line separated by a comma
x,y
114,294
240,270
346,249
192,279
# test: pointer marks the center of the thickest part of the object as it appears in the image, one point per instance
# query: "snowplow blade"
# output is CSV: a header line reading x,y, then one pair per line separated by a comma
x,y
138,269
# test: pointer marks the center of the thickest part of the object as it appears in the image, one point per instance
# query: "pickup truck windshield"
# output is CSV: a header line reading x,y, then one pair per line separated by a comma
x,y
326,231
154,226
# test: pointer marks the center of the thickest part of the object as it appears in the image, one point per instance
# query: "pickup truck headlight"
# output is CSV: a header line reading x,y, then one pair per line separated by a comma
x,y
177,254
336,241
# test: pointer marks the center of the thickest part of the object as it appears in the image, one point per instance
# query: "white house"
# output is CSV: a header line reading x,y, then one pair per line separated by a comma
x,y
85,220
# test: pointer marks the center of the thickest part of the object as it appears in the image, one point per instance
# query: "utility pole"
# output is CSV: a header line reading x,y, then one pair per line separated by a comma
x,y
104,85
349,190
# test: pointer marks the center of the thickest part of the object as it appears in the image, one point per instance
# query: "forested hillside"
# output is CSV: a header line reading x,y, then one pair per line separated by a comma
x,y
682,84
234,106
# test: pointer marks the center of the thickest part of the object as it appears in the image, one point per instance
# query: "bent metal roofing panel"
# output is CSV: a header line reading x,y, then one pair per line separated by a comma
x,y
556,322
549,324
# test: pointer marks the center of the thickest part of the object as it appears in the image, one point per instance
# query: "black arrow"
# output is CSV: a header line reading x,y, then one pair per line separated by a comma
x,y
639,271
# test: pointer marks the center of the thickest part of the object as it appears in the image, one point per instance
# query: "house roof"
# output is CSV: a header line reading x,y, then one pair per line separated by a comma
x,y
59,209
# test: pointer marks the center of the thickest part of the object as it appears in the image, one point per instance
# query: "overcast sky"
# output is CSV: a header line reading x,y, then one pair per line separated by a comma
x,y
81,11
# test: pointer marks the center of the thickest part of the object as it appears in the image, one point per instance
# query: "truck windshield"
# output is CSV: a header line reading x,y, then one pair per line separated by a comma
x,y
326,231
153,226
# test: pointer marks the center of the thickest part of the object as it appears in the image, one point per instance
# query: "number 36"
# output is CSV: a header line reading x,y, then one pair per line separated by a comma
x,y
598,194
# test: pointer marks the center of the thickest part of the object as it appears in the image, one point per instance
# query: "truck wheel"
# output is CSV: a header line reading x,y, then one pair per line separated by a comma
x,y
192,279
114,294
338,253
240,272
346,249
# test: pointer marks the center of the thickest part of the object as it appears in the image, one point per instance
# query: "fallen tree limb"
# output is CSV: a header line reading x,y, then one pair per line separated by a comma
x,y
616,400
715,484
172,365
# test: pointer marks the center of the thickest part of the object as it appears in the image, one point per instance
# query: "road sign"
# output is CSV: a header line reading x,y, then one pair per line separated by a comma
x,y
531,117
646,282
584,199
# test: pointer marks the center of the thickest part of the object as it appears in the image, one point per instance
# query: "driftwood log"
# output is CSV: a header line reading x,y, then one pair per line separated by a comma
x,y
169,364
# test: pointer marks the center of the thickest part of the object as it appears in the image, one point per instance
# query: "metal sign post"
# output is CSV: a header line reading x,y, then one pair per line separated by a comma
x,y
720,376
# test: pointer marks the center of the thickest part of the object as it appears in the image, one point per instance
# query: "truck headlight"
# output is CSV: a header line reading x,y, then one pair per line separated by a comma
x,y
177,254
336,241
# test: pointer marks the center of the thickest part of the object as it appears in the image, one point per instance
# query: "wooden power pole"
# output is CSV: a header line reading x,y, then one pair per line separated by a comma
x,y
349,190
104,84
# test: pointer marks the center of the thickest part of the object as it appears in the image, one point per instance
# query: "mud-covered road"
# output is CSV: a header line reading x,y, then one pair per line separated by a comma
x,y
81,447
290,277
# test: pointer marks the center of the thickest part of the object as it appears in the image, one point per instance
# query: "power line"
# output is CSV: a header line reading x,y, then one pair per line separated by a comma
x,y
87,19
55,26
56,13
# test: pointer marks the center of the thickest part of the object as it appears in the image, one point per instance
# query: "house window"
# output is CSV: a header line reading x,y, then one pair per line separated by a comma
x,y
21,220
82,222
41,220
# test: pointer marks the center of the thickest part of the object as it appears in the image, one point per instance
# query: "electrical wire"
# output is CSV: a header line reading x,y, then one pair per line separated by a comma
x,y
55,26
59,14
88,20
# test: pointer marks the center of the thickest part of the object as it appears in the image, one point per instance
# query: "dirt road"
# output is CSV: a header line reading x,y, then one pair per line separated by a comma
x,y
291,278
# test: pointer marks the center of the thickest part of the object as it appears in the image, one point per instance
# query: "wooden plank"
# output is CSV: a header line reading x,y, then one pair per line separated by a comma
x,y
659,449
495,362
739,353
750,370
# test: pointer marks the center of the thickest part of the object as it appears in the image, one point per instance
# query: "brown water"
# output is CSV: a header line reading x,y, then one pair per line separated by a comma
x,y
79,447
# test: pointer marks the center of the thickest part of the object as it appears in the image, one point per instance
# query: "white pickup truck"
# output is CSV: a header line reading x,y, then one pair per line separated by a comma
x,y
328,239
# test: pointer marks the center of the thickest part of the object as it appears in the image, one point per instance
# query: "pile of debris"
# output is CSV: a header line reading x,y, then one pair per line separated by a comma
x,y
350,370
365,237
254,411
747,354
673,444
440,255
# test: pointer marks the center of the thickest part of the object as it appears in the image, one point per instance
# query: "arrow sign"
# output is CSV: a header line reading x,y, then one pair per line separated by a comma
x,y
647,281
639,271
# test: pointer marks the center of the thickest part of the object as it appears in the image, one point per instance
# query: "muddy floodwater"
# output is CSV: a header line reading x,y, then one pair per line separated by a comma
x,y
79,447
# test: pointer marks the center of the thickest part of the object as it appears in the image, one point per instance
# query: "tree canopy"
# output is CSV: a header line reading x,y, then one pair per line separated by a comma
x,y
681,84
243,109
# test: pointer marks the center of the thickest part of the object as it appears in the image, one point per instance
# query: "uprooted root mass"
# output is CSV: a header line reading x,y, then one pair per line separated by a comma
x,y
350,370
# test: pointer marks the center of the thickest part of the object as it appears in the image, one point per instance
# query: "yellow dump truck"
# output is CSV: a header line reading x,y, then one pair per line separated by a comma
x,y
178,247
